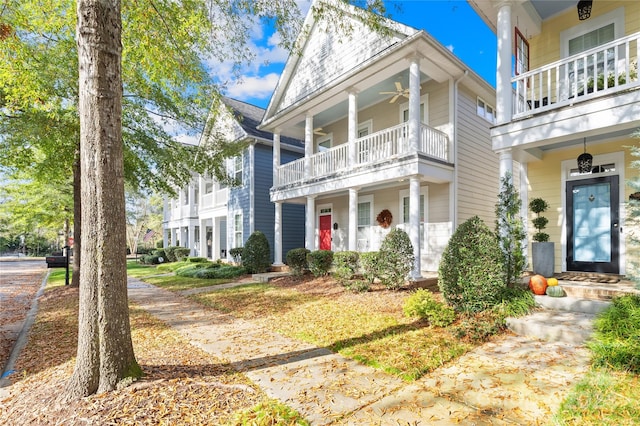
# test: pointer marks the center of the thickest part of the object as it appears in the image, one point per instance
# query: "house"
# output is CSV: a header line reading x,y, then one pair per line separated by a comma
x,y
396,134
210,217
567,84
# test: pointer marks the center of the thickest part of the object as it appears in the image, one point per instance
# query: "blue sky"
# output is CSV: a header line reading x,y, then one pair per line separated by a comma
x,y
452,22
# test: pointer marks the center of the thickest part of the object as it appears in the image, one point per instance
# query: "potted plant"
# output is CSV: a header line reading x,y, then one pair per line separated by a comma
x,y
542,251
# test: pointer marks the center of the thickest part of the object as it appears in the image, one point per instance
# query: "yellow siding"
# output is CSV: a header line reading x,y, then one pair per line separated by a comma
x,y
545,47
545,182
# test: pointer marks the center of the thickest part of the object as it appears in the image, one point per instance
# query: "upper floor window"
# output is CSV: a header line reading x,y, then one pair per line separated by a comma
x,y
486,111
424,110
365,128
236,170
237,230
591,39
522,53
185,196
324,142
208,186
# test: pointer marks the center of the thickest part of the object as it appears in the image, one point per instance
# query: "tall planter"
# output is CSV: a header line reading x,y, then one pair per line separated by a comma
x,y
543,258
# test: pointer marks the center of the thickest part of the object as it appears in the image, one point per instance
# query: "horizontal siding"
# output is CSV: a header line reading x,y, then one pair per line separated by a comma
x,y
477,165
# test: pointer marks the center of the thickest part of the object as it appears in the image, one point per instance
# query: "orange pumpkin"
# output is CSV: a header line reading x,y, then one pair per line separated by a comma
x,y
538,285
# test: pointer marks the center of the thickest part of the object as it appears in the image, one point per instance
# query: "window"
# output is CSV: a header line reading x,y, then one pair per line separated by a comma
x,y
196,195
424,110
486,111
236,171
365,128
325,142
185,196
364,223
208,185
522,53
237,230
591,39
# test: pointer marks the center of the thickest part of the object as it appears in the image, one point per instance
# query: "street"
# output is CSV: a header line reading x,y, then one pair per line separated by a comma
x,y
19,284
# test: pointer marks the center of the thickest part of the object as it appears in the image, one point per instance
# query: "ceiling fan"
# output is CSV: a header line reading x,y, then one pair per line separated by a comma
x,y
398,92
318,131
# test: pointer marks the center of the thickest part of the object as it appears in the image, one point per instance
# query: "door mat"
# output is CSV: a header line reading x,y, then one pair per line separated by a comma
x,y
588,277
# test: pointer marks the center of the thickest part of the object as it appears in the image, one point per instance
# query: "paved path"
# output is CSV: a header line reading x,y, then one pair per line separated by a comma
x,y
20,280
512,380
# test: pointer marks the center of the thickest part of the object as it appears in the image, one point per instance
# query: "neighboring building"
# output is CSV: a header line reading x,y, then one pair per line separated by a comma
x,y
211,218
574,89
390,123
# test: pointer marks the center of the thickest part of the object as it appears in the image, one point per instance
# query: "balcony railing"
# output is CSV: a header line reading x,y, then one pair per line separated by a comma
x,y
378,147
605,69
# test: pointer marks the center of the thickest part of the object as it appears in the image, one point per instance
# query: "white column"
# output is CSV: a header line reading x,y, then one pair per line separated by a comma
x,y
353,128
165,237
506,162
203,237
252,188
414,104
310,226
192,195
503,73
192,239
353,219
414,224
182,239
277,235
308,144
276,156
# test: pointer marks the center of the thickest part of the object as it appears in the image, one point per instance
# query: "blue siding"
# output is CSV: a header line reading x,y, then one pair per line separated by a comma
x,y
264,216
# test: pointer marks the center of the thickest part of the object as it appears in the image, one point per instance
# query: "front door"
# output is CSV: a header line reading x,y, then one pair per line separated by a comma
x,y
593,234
325,232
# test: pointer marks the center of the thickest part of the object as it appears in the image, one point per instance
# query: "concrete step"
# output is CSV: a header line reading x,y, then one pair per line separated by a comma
x,y
572,304
554,326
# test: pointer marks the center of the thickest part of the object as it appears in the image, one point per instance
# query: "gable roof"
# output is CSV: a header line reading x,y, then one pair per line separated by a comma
x,y
311,69
241,119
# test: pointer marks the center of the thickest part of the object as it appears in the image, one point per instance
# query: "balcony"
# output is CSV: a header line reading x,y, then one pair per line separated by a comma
x,y
383,146
604,70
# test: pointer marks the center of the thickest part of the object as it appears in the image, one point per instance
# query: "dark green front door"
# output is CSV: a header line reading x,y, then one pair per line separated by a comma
x,y
593,234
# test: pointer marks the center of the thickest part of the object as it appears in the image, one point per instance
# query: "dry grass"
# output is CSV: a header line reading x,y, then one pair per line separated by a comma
x,y
182,384
369,327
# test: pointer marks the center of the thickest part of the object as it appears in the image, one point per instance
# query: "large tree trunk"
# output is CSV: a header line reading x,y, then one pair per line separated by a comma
x,y
105,351
77,220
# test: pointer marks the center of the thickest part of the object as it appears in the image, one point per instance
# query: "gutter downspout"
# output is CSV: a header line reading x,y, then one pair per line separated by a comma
x,y
454,222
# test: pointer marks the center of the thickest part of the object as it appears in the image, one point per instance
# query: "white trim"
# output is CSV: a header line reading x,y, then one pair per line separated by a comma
x,y
618,159
322,139
615,16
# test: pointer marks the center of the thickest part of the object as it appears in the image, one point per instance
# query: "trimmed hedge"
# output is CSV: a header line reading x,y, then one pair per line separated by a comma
x,y
256,254
345,265
297,260
320,262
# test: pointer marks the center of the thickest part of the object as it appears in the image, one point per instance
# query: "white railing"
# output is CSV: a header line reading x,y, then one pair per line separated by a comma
x,y
330,161
605,69
377,147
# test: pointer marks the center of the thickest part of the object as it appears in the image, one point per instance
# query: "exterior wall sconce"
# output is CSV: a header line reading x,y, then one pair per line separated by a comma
x,y
585,160
335,225
584,9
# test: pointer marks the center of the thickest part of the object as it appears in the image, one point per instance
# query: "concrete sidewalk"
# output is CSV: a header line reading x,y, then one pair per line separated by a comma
x,y
511,380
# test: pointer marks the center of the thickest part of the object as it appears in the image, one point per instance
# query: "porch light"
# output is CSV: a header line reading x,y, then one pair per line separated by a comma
x,y
584,9
585,160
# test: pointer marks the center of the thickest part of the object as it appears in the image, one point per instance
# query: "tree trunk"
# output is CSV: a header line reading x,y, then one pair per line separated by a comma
x,y
105,351
77,220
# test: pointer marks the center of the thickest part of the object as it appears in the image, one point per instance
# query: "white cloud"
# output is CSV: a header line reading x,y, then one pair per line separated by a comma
x,y
450,47
259,87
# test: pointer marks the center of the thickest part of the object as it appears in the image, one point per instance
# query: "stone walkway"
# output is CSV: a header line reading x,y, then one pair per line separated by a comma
x,y
511,380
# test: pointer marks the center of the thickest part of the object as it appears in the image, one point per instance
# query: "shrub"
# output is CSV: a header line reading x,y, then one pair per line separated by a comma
x,y
236,254
538,205
345,264
616,340
150,259
220,272
169,252
297,260
256,254
470,275
510,231
479,327
160,253
395,259
189,269
196,259
181,253
369,266
422,304
319,262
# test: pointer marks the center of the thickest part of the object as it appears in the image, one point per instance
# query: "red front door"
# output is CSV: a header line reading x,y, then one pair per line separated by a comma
x,y
325,232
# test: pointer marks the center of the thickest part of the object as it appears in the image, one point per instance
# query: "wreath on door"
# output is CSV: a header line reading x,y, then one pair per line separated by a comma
x,y
384,218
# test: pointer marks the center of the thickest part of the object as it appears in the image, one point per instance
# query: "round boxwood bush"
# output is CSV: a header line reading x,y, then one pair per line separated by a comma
x,y
297,260
319,262
395,259
471,270
256,254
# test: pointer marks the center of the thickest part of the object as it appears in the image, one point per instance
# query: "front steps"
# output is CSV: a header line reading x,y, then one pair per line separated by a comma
x,y
570,319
